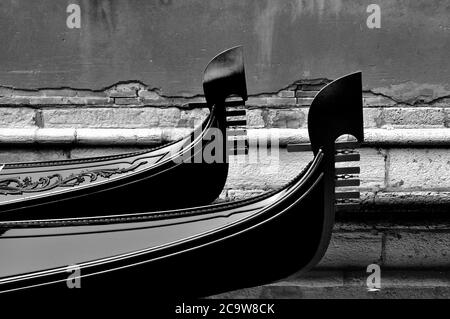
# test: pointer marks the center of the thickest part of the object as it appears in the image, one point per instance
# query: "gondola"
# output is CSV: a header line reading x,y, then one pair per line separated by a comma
x,y
198,251
160,178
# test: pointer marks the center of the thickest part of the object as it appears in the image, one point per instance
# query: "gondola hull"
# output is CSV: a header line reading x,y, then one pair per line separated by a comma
x,y
185,256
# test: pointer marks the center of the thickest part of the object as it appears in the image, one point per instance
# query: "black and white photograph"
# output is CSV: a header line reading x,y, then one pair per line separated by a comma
x,y
225,158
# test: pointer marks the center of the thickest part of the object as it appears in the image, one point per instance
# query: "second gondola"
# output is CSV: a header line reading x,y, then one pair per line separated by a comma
x,y
172,176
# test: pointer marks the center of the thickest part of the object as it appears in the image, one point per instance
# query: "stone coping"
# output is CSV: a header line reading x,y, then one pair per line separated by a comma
x,y
428,137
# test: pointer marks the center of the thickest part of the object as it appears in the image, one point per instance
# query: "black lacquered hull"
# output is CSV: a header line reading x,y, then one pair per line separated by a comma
x,y
232,247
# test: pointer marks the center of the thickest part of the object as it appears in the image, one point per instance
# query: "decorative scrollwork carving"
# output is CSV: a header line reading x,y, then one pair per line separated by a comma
x,y
16,186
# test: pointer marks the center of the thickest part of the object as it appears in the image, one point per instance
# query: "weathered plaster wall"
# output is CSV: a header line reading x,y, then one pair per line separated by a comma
x,y
166,43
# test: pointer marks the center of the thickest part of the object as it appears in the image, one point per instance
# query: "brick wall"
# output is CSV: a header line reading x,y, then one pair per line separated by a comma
x,y
401,222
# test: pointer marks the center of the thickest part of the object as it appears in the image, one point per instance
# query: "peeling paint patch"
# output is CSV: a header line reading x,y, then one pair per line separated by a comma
x,y
413,93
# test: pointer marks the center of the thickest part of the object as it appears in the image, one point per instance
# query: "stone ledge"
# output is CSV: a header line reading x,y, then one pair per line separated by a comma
x,y
391,245
372,137
403,201
352,284
371,202
119,137
143,136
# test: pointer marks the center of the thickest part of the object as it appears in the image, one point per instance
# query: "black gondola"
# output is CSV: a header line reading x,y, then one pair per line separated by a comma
x,y
199,251
154,179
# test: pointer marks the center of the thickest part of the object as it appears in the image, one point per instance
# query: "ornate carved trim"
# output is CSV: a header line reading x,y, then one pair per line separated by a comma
x,y
15,186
